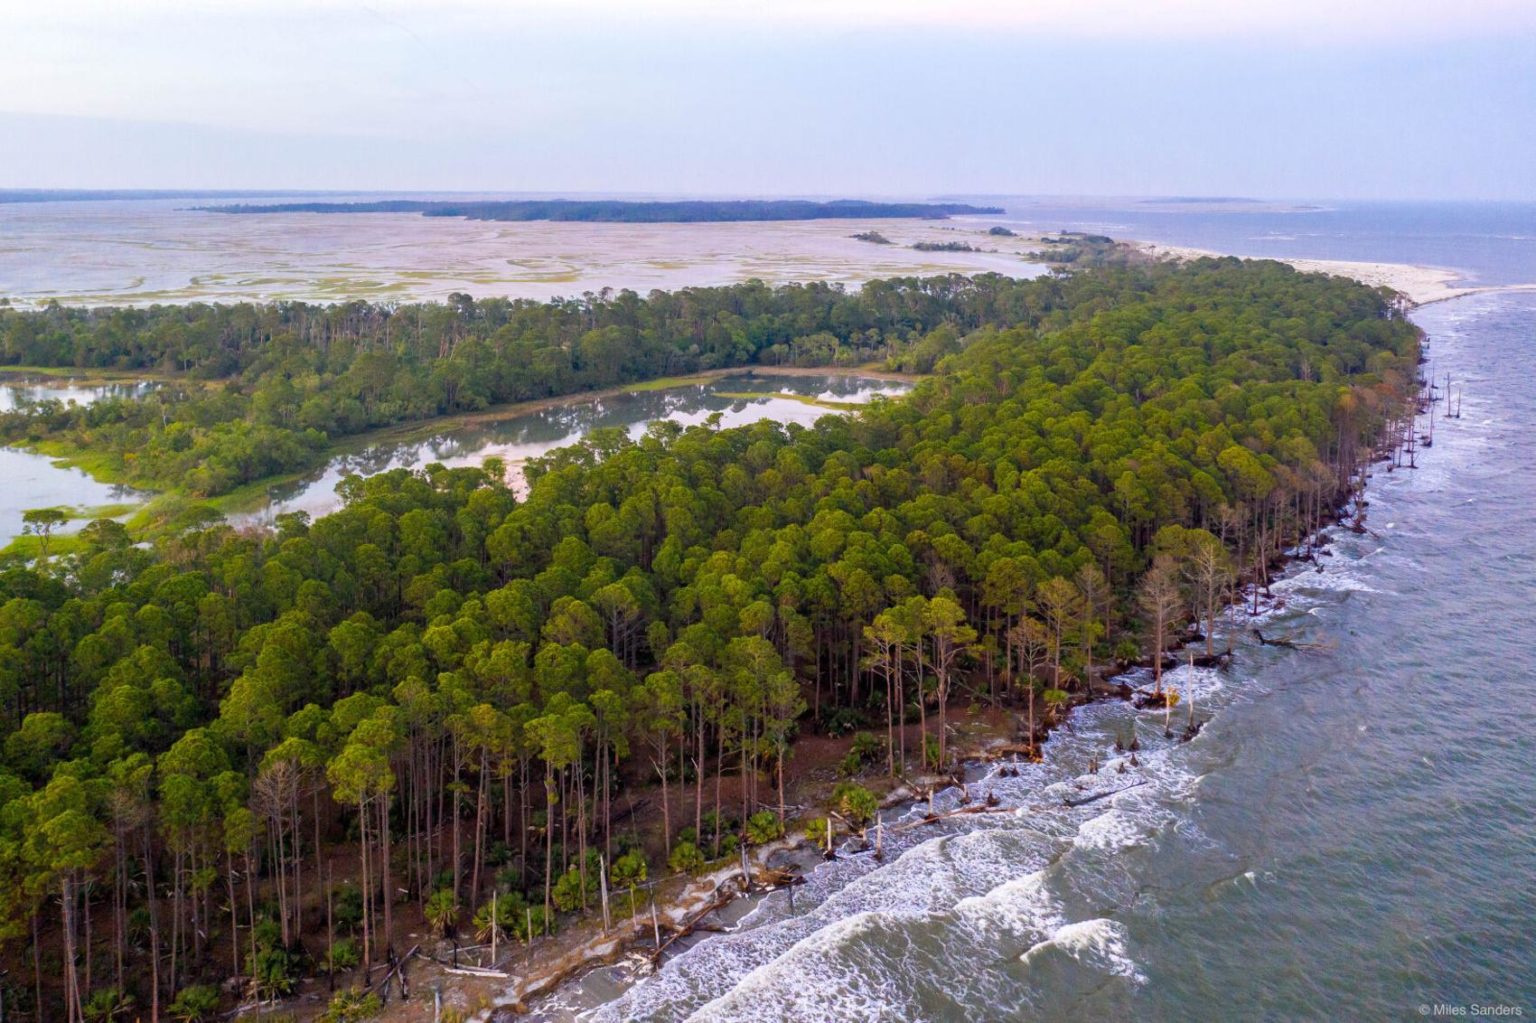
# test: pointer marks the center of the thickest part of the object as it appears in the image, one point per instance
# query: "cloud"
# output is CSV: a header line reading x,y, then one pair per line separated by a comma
x,y
1257,96
1329,19
1326,19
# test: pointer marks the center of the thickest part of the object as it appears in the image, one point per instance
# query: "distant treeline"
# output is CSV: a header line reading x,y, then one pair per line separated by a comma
x,y
616,211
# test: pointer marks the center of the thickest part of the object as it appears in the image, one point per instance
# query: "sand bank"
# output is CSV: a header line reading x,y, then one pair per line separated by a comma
x,y
1420,284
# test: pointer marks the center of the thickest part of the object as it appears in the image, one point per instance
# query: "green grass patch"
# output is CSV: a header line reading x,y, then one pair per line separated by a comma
x,y
28,546
86,376
667,383
104,511
804,399
102,466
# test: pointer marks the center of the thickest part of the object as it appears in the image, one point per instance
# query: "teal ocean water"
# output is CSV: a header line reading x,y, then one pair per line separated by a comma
x,y
1351,836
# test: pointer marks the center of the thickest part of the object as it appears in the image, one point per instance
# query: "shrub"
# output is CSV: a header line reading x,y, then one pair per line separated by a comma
x,y
267,933
816,832
628,870
441,910
481,924
138,927
108,1004
517,923
274,969
351,1006
686,858
866,749
196,1004
844,720
856,804
274,972
569,894
343,956
713,822
764,826
347,908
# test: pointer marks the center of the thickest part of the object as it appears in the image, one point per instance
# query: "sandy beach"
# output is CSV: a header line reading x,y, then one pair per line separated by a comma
x,y
1420,284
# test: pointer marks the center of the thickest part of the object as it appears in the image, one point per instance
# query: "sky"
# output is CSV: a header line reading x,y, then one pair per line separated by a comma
x,y
1266,98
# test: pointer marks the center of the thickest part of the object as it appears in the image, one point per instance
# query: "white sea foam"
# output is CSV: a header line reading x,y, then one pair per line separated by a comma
x,y
1021,907
1098,942
1112,830
877,940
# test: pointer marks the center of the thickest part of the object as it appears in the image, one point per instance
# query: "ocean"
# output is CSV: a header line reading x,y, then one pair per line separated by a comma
x,y
1352,835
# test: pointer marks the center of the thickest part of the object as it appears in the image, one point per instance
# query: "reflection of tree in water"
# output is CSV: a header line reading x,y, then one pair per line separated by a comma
x,y
28,391
519,438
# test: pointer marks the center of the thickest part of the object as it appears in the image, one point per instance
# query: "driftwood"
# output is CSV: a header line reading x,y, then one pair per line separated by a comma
x,y
463,971
779,878
1101,795
396,969
723,897
471,971
934,818
1030,752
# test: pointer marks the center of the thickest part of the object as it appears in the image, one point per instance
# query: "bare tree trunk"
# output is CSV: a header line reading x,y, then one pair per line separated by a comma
x,y
549,840
385,893
67,922
474,875
154,930
362,844
37,969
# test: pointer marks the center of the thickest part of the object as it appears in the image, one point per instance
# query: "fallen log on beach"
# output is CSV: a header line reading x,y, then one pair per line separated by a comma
x,y
935,818
722,898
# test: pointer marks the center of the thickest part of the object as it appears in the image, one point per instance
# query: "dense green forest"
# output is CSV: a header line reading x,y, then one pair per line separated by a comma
x,y
262,390
254,754
687,211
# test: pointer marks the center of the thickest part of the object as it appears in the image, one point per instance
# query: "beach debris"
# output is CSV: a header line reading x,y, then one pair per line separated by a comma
x,y
1103,795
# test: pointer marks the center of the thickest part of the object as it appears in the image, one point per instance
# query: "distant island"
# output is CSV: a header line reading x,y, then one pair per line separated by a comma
x,y
623,212
30,195
945,247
